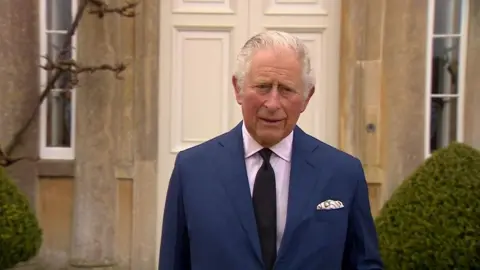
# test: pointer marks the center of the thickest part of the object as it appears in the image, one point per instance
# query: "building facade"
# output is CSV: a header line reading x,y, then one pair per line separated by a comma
x,y
396,80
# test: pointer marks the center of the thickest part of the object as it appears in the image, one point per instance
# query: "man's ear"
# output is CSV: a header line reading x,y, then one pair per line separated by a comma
x,y
237,90
307,99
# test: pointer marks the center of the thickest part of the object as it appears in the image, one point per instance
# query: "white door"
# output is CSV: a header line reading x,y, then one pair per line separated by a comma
x,y
199,40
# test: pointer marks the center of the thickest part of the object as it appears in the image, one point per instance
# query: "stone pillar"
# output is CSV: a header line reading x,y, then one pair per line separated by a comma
x,y
145,235
94,220
19,87
472,80
360,88
382,80
352,50
403,89
360,78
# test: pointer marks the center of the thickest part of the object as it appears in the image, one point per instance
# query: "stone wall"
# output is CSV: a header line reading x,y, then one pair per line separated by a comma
x,y
56,211
382,89
19,85
101,209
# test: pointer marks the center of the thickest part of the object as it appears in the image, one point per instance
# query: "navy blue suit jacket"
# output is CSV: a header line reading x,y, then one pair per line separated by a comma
x,y
209,223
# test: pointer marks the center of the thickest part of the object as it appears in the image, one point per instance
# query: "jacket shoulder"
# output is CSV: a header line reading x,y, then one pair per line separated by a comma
x,y
328,155
202,151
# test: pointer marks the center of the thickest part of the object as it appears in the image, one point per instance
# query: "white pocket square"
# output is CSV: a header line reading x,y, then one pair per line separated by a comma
x,y
330,205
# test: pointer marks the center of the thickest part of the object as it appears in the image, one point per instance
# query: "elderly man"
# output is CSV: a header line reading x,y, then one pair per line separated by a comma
x,y
266,195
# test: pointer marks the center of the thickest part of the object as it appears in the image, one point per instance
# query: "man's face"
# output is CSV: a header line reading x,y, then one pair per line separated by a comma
x,y
272,95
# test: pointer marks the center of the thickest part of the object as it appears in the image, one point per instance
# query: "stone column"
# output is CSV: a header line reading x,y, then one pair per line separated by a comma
x,y
352,50
19,87
382,80
145,234
360,88
94,220
403,89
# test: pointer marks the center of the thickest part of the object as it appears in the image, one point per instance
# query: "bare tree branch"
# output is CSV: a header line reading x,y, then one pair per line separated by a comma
x,y
128,10
2,154
71,66
5,162
63,65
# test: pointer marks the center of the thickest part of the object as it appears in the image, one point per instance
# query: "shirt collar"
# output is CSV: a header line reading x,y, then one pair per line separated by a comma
x,y
283,149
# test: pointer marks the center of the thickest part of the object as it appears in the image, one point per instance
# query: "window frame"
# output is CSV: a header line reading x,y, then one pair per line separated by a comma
x,y
45,151
460,95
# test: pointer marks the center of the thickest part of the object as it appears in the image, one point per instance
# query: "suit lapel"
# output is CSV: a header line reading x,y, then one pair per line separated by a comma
x,y
235,181
305,179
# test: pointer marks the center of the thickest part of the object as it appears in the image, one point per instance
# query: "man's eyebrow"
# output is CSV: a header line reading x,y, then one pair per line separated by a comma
x,y
261,79
269,81
287,84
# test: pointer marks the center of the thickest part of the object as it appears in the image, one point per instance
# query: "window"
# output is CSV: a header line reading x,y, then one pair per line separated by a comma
x,y
446,54
57,118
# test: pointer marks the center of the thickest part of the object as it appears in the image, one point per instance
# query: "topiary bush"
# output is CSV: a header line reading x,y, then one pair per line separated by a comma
x,y
432,221
20,233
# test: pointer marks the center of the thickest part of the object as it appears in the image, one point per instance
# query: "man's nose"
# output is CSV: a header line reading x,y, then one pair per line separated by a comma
x,y
272,101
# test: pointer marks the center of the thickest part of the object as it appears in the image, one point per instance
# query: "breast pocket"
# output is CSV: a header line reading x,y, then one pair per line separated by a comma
x,y
328,221
329,226
334,216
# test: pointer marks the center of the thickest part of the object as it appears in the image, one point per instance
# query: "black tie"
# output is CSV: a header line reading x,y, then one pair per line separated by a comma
x,y
265,207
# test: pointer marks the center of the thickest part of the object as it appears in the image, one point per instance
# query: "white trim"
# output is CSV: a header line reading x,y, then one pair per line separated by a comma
x,y
73,91
56,31
46,152
428,75
465,14
460,95
444,96
446,35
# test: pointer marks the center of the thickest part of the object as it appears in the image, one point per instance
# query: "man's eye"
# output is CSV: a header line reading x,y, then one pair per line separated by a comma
x,y
263,88
286,89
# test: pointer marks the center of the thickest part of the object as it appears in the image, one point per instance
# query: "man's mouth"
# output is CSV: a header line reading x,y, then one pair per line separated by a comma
x,y
272,121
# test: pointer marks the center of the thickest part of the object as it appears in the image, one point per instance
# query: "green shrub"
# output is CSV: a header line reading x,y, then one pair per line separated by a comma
x,y
20,233
432,221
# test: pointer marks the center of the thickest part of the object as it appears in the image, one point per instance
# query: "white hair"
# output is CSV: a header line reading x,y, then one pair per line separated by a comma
x,y
272,39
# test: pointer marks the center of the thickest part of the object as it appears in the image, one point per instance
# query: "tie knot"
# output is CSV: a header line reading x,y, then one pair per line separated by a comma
x,y
265,153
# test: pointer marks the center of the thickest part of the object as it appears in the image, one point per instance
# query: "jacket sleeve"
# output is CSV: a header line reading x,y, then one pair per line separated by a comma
x,y
174,244
361,250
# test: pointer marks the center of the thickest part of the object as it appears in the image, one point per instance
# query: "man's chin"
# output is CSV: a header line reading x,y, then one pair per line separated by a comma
x,y
269,139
